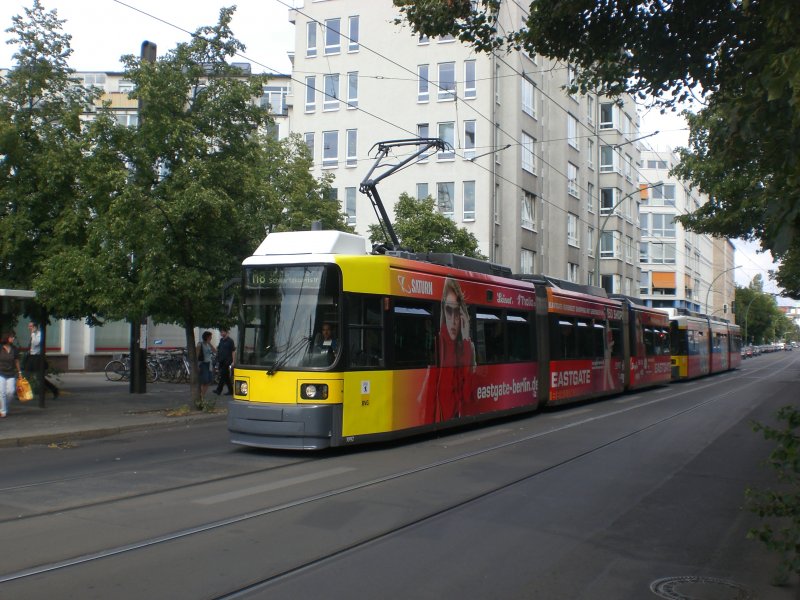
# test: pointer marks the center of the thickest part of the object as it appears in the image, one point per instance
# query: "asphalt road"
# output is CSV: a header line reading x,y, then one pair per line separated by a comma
x,y
605,500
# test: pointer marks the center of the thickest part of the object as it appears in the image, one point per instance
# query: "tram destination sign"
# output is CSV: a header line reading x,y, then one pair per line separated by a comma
x,y
284,278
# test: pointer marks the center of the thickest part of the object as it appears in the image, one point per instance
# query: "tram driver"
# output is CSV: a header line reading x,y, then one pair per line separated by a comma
x,y
325,344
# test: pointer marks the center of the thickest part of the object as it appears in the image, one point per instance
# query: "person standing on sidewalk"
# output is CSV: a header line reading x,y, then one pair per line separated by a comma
x,y
33,361
9,370
226,351
205,353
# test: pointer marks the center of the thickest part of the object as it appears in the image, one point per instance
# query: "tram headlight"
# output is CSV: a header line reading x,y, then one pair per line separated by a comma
x,y
241,387
314,391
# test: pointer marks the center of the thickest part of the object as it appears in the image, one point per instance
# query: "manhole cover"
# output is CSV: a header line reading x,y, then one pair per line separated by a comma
x,y
700,588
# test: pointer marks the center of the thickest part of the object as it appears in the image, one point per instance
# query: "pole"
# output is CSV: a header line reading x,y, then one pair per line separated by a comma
x,y
605,222
138,350
711,285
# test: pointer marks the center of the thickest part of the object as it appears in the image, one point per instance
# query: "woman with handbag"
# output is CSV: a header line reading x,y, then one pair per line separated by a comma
x,y
9,370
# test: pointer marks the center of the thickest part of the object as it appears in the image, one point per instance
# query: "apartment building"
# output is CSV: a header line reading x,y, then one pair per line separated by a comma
x,y
542,178
680,269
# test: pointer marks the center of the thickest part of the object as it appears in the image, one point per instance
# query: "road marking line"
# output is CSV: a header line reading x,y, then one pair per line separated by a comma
x,y
474,438
572,413
275,485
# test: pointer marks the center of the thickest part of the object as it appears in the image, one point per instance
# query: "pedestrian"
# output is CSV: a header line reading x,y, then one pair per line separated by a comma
x,y
33,362
226,358
9,371
205,354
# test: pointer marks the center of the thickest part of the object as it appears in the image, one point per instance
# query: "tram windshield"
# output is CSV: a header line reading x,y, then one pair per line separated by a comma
x,y
290,317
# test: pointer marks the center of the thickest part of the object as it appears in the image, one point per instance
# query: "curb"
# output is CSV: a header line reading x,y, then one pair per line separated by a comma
x,y
101,432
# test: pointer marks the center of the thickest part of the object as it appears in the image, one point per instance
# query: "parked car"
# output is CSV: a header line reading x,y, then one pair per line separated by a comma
x,y
788,347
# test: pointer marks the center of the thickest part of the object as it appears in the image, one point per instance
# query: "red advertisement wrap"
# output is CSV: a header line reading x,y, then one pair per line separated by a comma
x,y
697,365
574,379
564,304
719,361
441,394
429,286
650,370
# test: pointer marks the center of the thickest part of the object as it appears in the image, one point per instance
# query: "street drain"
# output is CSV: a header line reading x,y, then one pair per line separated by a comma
x,y
700,588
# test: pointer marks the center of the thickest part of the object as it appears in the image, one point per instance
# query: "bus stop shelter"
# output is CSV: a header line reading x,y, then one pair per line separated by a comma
x,y
15,303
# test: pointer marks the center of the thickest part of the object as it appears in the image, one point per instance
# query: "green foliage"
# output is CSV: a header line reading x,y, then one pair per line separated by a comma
x,y
421,228
741,58
758,315
42,146
780,509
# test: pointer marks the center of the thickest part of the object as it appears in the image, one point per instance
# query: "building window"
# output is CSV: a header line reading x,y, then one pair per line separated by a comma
x,y
527,261
422,191
352,45
572,272
572,131
528,157
351,159
590,110
608,113
445,200
658,225
333,36
311,93
423,83
572,180
608,160
656,164
528,97
331,100
590,153
330,148
590,197
656,253
590,240
469,201
423,132
311,39
628,167
609,244
628,249
470,88
644,283
350,205
352,89
447,134
572,230
447,81
274,99
469,139
309,139
663,195
608,200
528,211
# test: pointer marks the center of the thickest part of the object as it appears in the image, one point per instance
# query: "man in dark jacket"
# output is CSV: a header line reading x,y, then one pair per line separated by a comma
x,y
226,351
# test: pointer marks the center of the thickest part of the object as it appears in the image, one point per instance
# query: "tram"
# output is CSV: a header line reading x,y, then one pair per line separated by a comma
x,y
342,344
701,345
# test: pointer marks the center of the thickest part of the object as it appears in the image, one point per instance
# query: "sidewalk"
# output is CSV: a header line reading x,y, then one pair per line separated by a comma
x,y
90,406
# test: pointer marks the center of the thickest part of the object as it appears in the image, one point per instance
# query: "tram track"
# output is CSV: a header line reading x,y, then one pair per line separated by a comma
x,y
254,585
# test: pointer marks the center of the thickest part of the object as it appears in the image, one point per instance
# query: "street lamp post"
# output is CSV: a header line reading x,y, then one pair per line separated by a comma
x,y
605,222
711,285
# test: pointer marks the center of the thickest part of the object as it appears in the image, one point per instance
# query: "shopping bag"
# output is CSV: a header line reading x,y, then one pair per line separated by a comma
x,y
24,391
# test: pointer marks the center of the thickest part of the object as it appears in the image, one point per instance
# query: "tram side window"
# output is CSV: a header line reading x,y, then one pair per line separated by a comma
x,y
489,336
649,342
520,335
413,335
563,344
598,340
365,331
617,351
585,341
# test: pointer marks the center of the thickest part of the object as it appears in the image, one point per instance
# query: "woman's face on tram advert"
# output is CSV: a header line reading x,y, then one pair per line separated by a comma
x,y
452,314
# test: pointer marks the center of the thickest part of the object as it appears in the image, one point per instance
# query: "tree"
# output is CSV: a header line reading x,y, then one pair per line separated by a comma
x,y
42,150
195,188
758,314
421,228
741,58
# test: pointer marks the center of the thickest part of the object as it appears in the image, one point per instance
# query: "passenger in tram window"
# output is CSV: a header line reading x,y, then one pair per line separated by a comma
x,y
456,353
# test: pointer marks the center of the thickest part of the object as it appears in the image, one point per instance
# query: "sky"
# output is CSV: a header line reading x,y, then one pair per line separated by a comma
x,y
104,30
